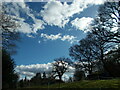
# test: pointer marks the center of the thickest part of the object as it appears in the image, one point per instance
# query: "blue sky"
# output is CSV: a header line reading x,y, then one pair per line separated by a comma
x,y
30,51
48,29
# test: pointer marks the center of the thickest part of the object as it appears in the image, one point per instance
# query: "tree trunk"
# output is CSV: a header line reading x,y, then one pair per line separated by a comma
x,y
60,77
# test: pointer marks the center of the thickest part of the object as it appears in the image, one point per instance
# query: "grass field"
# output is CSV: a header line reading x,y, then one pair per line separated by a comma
x,y
114,83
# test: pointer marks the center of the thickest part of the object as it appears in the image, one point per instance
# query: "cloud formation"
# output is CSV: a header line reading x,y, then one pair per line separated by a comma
x,y
58,13
34,68
54,13
51,37
82,23
31,70
68,38
18,9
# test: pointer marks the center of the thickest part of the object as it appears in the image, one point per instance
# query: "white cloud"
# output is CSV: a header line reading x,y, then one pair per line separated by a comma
x,y
58,14
19,8
31,70
12,0
31,36
94,2
68,38
82,23
34,68
51,37
25,28
54,13
38,25
29,74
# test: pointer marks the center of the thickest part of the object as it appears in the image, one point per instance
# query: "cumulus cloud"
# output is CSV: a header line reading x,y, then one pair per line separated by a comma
x,y
29,74
54,13
82,23
51,37
68,38
38,24
24,28
34,68
18,9
58,13
31,70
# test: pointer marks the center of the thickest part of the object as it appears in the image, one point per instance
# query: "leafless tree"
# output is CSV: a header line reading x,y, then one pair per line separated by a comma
x,y
60,66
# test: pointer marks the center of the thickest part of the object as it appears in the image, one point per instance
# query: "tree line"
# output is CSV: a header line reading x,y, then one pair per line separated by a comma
x,y
97,55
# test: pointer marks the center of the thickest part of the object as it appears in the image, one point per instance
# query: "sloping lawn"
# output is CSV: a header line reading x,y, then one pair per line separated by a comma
x,y
114,83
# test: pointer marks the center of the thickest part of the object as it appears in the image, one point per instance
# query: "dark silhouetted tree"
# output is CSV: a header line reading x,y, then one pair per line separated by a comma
x,y
9,77
107,25
112,62
106,31
21,83
26,82
8,27
85,54
44,75
36,80
70,79
38,75
79,75
60,66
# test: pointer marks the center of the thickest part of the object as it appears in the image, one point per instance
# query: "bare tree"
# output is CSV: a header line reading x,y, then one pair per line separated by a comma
x,y
60,66
106,30
44,75
107,23
85,53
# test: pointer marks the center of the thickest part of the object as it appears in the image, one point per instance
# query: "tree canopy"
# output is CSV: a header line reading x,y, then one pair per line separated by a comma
x,y
103,38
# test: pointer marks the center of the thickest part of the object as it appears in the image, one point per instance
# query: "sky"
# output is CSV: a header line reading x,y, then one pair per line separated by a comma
x,y
48,30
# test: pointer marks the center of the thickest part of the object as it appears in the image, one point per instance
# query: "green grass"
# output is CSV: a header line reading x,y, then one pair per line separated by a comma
x,y
114,83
